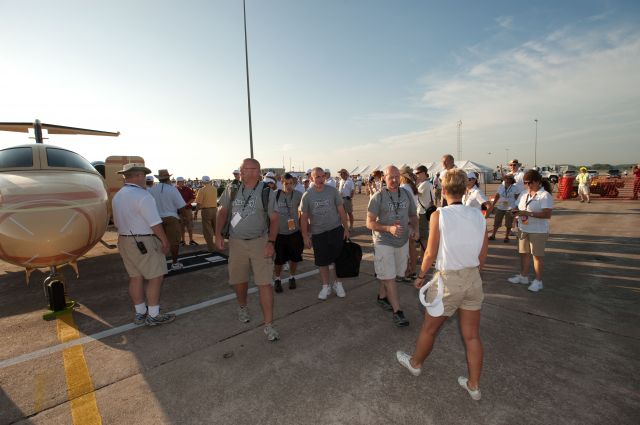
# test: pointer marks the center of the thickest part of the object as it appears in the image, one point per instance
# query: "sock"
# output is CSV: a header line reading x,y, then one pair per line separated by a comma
x,y
141,308
154,310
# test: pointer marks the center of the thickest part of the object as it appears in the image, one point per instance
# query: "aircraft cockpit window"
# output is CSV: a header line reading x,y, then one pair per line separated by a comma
x,y
67,159
16,157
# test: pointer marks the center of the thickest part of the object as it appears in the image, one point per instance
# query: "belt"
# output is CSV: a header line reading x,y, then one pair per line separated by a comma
x,y
347,197
136,236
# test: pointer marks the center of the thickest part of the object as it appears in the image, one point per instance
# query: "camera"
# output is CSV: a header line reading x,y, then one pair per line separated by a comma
x,y
141,247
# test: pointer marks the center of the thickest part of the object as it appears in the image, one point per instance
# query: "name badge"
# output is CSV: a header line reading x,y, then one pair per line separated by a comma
x,y
235,219
291,223
505,204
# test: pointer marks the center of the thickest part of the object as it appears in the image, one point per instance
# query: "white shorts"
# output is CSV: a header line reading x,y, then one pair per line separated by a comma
x,y
390,261
583,190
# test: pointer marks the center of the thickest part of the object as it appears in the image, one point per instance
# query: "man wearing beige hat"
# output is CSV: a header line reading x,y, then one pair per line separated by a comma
x,y
170,205
347,189
142,243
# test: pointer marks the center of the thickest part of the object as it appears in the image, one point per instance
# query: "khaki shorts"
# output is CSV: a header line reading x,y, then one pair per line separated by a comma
x,y
186,220
171,226
500,214
583,190
462,289
248,255
390,261
532,243
149,265
348,205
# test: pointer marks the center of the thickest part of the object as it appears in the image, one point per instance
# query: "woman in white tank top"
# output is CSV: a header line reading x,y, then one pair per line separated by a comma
x,y
458,245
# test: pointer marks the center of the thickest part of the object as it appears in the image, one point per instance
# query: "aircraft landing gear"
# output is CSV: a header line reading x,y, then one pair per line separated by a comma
x,y
56,294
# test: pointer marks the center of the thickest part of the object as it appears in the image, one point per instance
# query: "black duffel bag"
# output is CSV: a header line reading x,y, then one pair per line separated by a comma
x,y
348,262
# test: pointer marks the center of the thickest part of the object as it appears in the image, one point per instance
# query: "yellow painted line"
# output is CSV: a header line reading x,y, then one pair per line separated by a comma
x,y
84,408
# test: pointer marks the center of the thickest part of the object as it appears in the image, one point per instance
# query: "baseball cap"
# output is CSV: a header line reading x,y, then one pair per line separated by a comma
x,y
435,307
326,170
149,178
180,179
270,174
206,179
236,171
269,180
471,175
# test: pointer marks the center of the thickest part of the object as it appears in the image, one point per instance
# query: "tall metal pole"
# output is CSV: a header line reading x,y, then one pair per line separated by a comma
x,y
459,143
535,146
246,58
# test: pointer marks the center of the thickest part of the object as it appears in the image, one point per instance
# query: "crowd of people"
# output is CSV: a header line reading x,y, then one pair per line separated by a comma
x,y
267,221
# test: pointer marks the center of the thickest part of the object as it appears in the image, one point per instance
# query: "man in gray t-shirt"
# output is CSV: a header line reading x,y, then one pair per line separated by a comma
x,y
322,207
251,241
392,218
289,243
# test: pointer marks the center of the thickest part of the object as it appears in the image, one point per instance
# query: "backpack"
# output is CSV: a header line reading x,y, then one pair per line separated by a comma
x,y
233,191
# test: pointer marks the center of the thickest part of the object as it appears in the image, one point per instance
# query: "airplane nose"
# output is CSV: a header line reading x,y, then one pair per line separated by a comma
x,y
49,229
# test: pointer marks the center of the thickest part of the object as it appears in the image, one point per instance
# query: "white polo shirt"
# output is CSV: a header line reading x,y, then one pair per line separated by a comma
x,y
134,211
346,188
536,203
168,199
474,198
508,197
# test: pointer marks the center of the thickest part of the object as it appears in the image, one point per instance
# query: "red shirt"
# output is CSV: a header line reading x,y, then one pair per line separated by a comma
x,y
637,173
187,193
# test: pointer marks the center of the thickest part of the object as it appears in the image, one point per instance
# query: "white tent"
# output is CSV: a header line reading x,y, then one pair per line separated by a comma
x,y
485,174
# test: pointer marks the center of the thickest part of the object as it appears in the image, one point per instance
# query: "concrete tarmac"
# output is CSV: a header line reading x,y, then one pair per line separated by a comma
x,y
567,355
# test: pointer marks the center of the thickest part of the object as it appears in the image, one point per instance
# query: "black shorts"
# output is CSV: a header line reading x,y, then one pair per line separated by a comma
x,y
327,246
289,248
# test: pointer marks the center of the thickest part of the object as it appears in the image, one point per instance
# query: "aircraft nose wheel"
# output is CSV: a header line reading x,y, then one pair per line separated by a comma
x,y
55,292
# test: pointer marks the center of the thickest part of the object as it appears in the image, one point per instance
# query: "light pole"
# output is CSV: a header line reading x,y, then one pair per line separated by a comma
x,y
535,146
459,123
246,59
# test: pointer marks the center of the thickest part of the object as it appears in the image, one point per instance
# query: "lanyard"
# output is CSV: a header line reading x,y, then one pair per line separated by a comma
x,y
287,204
246,201
395,205
527,201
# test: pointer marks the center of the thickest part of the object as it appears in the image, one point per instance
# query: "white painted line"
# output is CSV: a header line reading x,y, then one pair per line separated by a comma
x,y
124,328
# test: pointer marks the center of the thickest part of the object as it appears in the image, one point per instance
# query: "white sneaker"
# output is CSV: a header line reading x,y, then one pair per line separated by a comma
x,y
405,360
524,280
475,394
535,286
177,266
337,286
324,292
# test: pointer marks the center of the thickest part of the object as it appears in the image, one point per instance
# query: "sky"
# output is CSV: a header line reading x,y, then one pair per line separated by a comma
x,y
333,83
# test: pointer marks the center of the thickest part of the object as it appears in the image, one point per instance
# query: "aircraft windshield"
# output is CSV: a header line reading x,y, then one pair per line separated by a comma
x,y
67,159
16,157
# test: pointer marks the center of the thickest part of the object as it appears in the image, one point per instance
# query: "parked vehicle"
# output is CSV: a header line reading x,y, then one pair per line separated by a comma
x,y
593,173
615,173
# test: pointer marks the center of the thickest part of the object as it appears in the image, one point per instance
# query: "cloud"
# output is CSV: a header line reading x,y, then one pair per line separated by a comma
x,y
505,22
572,80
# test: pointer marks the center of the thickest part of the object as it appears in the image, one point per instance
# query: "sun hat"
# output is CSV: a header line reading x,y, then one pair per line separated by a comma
x,y
163,174
435,307
134,166
343,171
514,162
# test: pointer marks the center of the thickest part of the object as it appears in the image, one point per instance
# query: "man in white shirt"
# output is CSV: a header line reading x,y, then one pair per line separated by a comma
x,y
347,189
425,201
170,204
142,244
329,181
